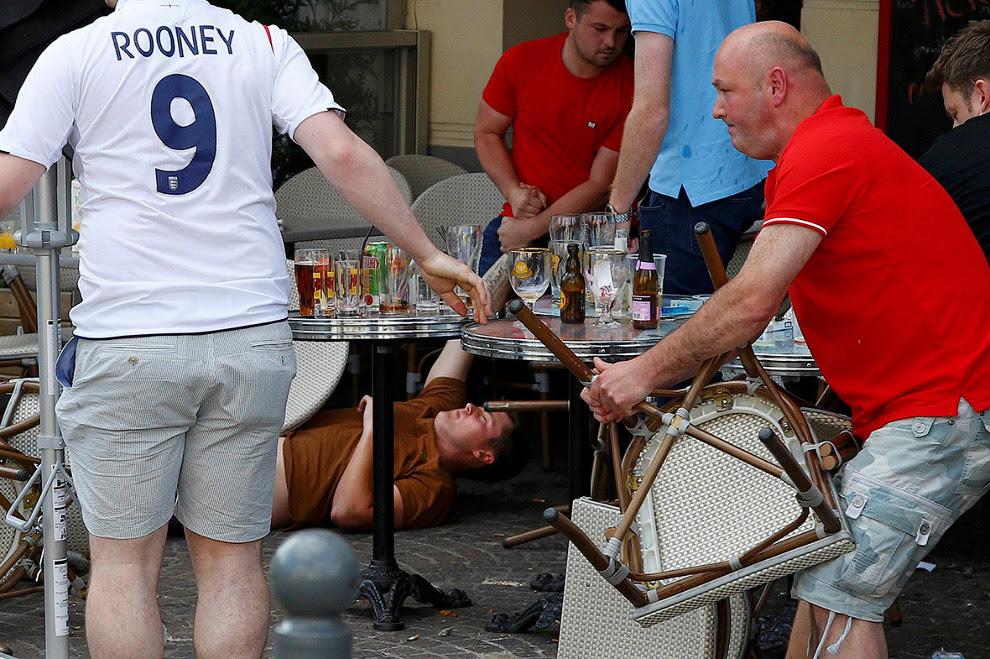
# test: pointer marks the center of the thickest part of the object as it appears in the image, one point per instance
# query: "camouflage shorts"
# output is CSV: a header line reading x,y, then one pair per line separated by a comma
x,y
911,481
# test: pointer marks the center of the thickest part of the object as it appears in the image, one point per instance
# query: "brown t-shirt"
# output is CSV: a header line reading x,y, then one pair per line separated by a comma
x,y
316,455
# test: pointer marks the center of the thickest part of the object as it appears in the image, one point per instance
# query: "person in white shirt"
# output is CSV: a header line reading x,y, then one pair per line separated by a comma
x,y
184,356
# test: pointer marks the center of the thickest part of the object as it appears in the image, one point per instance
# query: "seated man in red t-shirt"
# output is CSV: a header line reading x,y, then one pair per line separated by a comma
x,y
890,287
323,473
565,98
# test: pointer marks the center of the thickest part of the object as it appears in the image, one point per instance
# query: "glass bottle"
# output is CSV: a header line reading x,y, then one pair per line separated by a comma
x,y
572,288
645,285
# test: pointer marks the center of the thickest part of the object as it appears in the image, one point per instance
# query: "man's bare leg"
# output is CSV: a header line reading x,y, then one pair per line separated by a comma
x,y
122,617
232,607
865,640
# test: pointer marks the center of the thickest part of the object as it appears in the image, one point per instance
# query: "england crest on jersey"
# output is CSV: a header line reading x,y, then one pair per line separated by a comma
x,y
173,183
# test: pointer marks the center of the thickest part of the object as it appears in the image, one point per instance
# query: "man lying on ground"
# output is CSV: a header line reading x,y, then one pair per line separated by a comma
x,y
324,469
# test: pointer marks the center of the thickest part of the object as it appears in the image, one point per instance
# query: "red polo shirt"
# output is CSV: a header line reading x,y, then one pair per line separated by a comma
x,y
895,301
559,121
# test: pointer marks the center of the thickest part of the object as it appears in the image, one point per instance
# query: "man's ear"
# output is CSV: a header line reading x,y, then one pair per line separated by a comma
x,y
981,88
483,456
777,81
570,18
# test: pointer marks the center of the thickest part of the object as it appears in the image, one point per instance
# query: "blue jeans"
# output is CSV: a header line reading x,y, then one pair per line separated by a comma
x,y
491,247
672,222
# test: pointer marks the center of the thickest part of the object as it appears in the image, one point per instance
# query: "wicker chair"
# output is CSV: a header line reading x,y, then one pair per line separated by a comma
x,y
464,199
423,171
319,365
307,201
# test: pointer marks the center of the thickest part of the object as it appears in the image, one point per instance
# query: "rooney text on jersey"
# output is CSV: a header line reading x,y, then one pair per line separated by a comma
x,y
172,41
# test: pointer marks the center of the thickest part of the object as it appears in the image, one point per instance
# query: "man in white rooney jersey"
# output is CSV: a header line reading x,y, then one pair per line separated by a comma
x,y
184,359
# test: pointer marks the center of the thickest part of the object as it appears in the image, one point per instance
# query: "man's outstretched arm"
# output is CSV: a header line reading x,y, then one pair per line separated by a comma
x,y
359,173
453,362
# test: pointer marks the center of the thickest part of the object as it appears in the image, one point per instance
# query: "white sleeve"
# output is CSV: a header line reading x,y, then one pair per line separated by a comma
x,y
297,93
44,113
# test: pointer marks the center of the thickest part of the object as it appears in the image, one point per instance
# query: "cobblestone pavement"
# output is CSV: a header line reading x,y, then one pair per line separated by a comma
x,y
949,607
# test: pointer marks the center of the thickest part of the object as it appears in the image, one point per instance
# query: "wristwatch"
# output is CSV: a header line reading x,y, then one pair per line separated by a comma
x,y
619,217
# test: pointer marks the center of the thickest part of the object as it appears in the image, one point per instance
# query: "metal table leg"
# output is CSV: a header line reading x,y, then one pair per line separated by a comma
x,y
383,583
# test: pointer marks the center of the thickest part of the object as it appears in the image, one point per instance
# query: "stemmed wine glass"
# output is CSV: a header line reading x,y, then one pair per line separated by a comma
x,y
606,271
530,274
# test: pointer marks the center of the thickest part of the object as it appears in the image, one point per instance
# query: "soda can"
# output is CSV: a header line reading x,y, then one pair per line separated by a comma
x,y
373,269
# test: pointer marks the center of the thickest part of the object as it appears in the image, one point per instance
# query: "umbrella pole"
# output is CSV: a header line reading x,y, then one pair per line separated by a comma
x,y
45,239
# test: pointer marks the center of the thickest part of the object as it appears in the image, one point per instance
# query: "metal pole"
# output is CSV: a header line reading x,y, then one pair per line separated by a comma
x,y
45,240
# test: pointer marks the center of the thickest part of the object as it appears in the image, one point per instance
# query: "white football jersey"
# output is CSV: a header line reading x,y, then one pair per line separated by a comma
x,y
169,106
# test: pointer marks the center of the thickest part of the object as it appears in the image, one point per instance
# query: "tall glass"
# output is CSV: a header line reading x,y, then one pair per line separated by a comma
x,y
312,268
605,272
425,299
599,229
394,287
347,270
530,273
464,244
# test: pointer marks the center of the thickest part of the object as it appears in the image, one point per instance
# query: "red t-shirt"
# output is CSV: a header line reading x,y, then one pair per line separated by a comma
x,y
895,301
559,121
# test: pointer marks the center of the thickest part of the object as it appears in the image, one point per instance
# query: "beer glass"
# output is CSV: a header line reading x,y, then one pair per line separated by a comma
x,y
347,270
312,267
529,274
464,244
393,289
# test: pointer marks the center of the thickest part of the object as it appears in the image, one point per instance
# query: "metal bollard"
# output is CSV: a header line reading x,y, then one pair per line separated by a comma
x,y
314,576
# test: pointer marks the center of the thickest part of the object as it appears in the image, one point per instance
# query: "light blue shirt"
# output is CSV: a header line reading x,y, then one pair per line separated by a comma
x,y
697,153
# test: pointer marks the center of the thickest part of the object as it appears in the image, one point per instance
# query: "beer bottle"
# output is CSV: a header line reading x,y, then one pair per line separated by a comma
x,y
572,288
645,305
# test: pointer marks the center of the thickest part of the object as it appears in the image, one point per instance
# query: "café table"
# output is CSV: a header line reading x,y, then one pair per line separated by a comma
x,y
384,583
505,339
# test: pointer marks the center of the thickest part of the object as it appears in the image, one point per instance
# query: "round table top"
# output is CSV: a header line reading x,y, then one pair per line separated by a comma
x,y
377,327
793,361
505,340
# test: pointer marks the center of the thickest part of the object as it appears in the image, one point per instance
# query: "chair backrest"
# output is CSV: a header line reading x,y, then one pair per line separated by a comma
x,y
319,365
738,257
463,199
423,171
308,201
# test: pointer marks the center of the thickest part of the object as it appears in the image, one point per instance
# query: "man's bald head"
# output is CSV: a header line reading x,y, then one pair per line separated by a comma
x,y
768,44
768,79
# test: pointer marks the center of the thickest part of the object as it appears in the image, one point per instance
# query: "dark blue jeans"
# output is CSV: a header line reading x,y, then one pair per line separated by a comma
x,y
491,248
672,222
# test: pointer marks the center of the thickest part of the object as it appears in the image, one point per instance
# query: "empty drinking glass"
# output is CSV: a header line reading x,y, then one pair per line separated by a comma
x,y
605,272
599,229
530,273
567,227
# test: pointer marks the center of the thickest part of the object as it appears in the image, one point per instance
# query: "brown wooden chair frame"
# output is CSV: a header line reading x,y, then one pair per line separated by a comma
x,y
813,488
